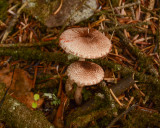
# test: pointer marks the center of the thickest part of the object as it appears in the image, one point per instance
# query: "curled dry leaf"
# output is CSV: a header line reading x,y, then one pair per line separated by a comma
x,y
21,82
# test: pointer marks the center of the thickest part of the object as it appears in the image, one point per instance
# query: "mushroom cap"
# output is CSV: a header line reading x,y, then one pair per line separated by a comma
x,y
85,43
85,73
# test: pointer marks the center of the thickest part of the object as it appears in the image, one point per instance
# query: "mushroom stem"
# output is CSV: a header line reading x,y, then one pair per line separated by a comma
x,y
68,86
78,95
81,59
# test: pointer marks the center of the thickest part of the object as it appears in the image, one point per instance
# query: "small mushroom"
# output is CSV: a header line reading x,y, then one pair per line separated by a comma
x,y
85,43
84,73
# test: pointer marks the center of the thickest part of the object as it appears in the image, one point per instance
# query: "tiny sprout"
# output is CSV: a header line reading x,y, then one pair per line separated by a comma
x,y
55,101
34,105
36,97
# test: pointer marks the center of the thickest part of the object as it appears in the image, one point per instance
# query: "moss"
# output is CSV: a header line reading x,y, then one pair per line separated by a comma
x,y
105,121
18,115
82,121
41,9
3,9
34,54
141,119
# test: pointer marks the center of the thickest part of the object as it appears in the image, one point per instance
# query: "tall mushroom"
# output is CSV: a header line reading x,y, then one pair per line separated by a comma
x,y
85,43
84,73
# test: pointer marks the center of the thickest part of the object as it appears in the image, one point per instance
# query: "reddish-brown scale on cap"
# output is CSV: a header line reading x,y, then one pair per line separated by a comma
x,y
85,43
85,73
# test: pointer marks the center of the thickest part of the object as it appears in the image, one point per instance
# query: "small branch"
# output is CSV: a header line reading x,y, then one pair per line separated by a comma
x,y
37,44
13,22
59,8
125,26
80,112
133,14
119,7
123,85
125,71
33,54
83,120
128,5
121,115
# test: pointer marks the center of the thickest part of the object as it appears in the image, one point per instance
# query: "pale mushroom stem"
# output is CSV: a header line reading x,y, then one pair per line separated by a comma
x,y
78,95
81,59
68,86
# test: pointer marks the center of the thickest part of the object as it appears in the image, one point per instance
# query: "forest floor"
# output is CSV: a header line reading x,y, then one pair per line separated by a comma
x,y
33,69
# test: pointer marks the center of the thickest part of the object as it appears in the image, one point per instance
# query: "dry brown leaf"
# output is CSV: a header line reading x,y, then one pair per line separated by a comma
x,y
21,85
21,80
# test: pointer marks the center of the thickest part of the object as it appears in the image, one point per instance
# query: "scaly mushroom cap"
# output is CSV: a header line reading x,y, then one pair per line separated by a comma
x,y
85,73
85,43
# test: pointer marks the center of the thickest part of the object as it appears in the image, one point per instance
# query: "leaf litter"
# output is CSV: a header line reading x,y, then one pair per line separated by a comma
x,y
133,27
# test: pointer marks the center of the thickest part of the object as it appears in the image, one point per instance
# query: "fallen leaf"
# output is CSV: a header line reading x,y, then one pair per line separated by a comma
x,y
21,85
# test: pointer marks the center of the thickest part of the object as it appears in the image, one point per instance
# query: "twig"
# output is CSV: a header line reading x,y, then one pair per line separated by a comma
x,y
141,77
119,7
36,44
133,14
58,9
128,5
30,54
13,22
116,99
83,120
123,85
125,26
116,22
10,10
107,93
121,115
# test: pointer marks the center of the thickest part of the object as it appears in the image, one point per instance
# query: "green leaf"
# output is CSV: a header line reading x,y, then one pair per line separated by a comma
x,y
36,97
34,105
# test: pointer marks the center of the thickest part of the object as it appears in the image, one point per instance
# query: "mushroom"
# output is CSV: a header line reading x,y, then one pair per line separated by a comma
x,y
84,73
85,43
